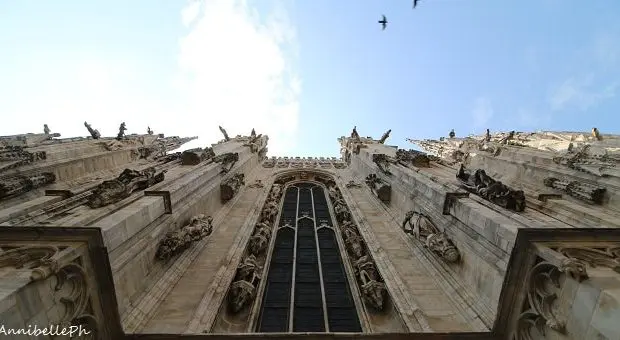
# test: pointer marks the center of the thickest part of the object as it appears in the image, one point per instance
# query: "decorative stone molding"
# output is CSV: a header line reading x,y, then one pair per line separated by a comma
x,y
12,157
379,187
369,280
39,259
413,158
580,190
175,242
424,230
227,160
493,191
231,186
600,163
19,184
242,291
128,181
304,162
196,156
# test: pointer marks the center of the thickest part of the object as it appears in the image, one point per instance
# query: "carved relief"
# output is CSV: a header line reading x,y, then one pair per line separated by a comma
x,y
16,185
228,160
379,187
175,242
15,156
383,162
196,156
539,314
580,190
603,256
494,191
128,181
270,163
353,184
414,158
242,291
231,186
370,282
39,259
600,164
255,143
424,230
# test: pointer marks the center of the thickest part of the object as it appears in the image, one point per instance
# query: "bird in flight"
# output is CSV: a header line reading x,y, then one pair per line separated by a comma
x,y
383,22
415,3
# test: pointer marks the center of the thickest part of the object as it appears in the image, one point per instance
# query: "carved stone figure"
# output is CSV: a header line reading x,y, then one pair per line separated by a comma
x,y
373,290
385,136
487,135
228,160
94,133
354,135
270,163
230,187
226,138
260,239
353,184
354,243
603,256
196,156
383,162
148,130
19,184
340,165
121,131
381,189
580,190
46,129
414,158
177,241
582,159
257,184
596,134
452,134
128,181
424,230
507,138
243,289
494,191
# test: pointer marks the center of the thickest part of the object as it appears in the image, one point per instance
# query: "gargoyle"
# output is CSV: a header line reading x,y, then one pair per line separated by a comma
x,y
94,133
226,138
385,136
228,160
230,187
383,162
121,131
128,181
373,290
177,241
424,230
412,158
381,189
494,191
196,156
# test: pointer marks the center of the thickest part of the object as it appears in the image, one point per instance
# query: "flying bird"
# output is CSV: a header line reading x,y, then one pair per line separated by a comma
x,y
383,22
415,3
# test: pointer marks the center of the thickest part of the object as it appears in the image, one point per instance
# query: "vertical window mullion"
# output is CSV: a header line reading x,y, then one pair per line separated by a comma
x,y
292,292
318,251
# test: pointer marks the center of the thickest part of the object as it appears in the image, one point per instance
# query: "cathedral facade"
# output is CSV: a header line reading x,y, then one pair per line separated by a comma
x,y
500,236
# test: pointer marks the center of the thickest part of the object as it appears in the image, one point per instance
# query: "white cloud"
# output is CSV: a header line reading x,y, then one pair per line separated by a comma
x,y
482,112
235,69
581,93
236,72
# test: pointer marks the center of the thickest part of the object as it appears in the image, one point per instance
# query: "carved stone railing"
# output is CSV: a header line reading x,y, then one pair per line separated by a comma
x,y
379,187
425,231
546,272
483,185
583,191
231,186
175,242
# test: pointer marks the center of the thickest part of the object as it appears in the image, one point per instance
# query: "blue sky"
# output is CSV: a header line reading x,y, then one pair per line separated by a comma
x,y
305,72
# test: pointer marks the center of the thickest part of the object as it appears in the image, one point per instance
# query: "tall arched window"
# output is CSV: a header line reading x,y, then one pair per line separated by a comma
x,y
307,288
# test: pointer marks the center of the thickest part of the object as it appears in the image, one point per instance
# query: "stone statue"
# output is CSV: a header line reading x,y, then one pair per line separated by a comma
x,y
243,289
148,130
373,290
582,159
596,134
494,191
228,160
46,129
253,133
354,135
128,181
230,187
452,134
94,133
424,230
383,162
121,131
177,241
507,138
226,138
196,156
414,158
380,188
385,136
487,136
